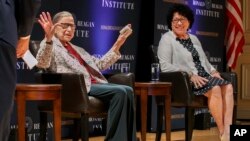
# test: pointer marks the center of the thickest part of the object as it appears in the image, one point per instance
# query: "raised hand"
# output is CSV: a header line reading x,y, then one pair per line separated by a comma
x,y
46,22
124,33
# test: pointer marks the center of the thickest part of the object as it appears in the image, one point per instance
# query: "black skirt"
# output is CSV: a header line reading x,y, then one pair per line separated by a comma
x,y
212,81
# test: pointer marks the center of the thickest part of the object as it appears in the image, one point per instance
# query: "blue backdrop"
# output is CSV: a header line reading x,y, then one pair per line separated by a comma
x,y
98,25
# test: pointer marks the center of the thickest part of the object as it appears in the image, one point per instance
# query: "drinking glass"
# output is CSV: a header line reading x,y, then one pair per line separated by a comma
x,y
155,71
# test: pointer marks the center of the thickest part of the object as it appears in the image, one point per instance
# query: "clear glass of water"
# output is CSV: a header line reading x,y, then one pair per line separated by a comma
x,y
155,71
125,68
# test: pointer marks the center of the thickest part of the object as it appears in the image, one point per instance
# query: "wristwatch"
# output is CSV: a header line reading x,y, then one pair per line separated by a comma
x,y
49,43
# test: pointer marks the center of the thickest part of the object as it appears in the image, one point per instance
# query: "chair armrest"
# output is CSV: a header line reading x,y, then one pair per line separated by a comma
x,y
231,77
181,87
122,78
74,93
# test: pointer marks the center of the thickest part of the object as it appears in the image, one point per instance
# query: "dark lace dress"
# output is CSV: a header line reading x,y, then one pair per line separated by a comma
x,y
212,81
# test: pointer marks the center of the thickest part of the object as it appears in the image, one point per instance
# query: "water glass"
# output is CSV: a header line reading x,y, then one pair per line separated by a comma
x,y
125,68
155,71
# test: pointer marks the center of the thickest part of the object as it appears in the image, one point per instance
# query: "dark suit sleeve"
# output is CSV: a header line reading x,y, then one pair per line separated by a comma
x,y
26,11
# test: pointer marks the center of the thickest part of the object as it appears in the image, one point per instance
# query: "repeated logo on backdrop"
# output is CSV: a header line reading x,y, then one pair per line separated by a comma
x,y
98,23
207,14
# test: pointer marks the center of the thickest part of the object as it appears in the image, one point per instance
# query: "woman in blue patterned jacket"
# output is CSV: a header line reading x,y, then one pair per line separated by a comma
x,y
58,54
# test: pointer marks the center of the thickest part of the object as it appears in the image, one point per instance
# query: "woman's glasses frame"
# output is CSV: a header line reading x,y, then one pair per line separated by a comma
x,y
177,20
67,25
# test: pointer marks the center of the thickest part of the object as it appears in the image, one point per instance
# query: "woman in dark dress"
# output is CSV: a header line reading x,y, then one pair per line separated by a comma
x,y
181,51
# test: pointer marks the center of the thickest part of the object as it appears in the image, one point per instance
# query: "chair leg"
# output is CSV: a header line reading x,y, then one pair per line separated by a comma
x,y
43,126
76,130
189,123
159,122
84,127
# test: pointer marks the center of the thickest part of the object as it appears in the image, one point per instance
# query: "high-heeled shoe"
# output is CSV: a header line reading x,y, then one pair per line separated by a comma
x,y
221,137
224,137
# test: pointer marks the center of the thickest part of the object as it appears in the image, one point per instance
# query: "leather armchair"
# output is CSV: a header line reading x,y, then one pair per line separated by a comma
x,y
183,97
76,104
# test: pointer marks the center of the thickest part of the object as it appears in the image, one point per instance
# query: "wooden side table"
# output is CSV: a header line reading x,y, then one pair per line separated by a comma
x,y
144,89
25,92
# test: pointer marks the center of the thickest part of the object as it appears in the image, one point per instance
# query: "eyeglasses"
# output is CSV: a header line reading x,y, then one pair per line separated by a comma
x,y
67,25
182,20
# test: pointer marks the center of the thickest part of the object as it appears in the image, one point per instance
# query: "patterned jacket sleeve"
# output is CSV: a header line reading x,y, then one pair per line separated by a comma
x,y
44,55
103,62
107,60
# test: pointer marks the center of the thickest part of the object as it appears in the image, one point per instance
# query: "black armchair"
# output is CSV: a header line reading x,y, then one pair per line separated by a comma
x,y
76,104
183,97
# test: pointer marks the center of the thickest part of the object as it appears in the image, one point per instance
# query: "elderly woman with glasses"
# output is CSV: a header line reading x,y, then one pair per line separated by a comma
x,y
59,55
181,51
